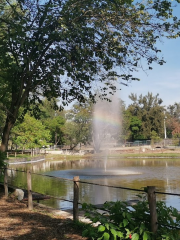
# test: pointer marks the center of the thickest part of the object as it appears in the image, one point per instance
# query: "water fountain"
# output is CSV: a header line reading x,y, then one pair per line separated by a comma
x,y
106,124
105,135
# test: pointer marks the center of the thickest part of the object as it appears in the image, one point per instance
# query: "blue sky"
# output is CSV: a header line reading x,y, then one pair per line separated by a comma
x,y
164,79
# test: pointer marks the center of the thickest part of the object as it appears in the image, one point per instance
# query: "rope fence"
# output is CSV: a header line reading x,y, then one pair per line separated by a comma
x,y
97,184
150,190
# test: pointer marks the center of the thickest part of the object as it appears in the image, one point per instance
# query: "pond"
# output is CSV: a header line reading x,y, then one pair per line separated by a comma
x,y
130,173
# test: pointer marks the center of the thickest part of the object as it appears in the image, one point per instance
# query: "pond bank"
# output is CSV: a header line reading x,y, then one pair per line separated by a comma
x,y
25,160
124,155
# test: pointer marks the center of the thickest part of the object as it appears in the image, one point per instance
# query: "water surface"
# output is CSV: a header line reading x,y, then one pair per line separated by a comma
x,y
162,173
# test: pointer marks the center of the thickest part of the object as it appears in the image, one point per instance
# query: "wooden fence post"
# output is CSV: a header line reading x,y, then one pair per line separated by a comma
x,y
29,186
5,182
152,208
76,199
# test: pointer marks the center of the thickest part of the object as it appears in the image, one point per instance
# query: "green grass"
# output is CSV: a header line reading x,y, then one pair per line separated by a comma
x,y
118,155
66,157
28,157
19,156
146,155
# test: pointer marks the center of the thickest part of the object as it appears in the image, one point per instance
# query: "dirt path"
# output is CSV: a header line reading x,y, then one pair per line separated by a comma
x,y
17,222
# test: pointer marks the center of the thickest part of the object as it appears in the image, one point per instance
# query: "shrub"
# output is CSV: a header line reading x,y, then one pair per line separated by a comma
x,y
117,220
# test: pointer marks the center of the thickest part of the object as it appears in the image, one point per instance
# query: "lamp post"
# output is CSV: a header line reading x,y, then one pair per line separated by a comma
x,y
165,136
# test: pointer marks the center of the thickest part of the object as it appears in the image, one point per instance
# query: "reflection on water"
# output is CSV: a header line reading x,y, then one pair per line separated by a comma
x,y
164,174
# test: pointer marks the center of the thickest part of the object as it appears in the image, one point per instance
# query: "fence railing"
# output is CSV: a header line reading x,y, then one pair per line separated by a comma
x,y
32,152
149,190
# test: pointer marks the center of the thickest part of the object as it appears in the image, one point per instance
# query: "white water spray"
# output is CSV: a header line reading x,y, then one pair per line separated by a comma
x,y
106,125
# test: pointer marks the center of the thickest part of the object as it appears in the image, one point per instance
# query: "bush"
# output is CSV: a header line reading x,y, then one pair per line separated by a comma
x,y
119,221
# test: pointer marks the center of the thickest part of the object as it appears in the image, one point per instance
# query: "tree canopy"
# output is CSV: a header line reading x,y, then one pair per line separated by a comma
x,y
147,115
78,126
53,119
30,133
62,49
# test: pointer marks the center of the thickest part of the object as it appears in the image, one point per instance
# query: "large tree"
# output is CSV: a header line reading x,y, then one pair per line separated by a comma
x,y
77,129
63,48
53,119
30,133
150,112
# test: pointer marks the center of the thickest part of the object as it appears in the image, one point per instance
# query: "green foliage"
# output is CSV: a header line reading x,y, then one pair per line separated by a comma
x,y
135,127
55,126
150,114
48,109
53,119
119,221
86,228
77,128
154,137
125,130
30,133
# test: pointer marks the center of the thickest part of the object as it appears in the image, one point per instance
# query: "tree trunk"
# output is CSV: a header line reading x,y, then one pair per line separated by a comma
x,y
6,131
19,95
55,138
